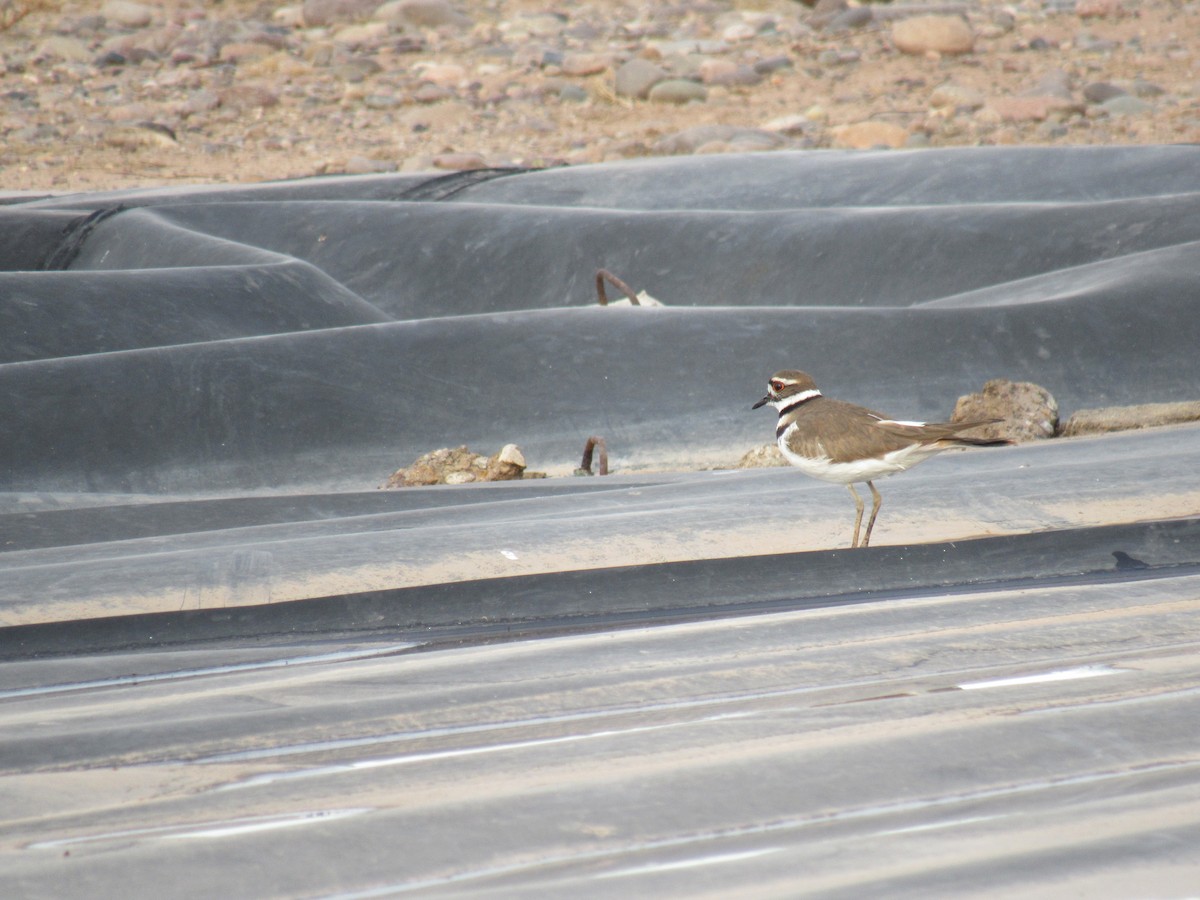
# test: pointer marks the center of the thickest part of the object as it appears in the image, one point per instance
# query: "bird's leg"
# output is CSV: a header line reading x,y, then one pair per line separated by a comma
x,y
858,505
874,512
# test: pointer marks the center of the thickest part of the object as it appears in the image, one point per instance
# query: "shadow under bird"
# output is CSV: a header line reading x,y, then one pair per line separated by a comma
x,y
847,444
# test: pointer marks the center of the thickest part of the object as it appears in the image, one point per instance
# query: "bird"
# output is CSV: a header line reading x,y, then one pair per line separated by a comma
x,y
847,444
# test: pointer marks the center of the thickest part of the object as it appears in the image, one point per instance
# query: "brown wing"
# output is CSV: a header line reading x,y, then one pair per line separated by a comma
x,y
932,432
846,432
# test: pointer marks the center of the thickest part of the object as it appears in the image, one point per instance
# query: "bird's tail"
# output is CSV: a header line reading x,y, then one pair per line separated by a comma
x,y
978,441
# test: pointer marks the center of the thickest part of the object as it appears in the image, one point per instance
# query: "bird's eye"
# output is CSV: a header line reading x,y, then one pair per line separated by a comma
x,y
776,385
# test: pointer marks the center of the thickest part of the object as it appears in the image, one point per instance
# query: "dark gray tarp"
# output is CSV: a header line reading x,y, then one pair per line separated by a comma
x,y
233,662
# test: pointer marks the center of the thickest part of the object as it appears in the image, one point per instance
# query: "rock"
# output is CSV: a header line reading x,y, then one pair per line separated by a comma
x,y
772,64
459,465
1099,91
677,90
534,25
289,16
421,14
248,96
1126,105
366,35
691,140
937,34
572,93
459,162
824,12
1055,83
762,457
431,93
865,135
361,165
65,48
329,12
357,70
738,31
580,64
445,75
238,51
1029,411
507,465
1140,87
143,134
793,124
381,100
127,14
1030,109
849,19
636,77
1097,9
955,96
1125,418
727,72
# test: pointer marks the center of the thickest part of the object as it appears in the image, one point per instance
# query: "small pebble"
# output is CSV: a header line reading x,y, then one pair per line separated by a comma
x,y
636,77
677,90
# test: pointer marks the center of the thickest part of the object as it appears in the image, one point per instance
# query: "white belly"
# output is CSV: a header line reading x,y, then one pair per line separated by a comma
x,y
860,470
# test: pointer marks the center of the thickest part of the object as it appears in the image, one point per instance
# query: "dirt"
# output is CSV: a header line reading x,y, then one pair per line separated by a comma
x,y
263,97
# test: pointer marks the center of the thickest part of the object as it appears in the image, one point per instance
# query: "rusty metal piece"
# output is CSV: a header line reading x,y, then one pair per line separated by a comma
x,y
595,443
603,275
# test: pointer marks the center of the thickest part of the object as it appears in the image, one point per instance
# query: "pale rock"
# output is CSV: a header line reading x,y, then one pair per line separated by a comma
x,y
248,96
955,96
636,77
237,52
794,124
430,93
865,135
421,14
329,12
738,31
459,162
365,35
362,165
1027,411
135,137
729,138
128,14
1126,105
533,25
1030,109
289,16
678,91
446,75
68,49
580,64
727,72
947,35
1098,9
1055,83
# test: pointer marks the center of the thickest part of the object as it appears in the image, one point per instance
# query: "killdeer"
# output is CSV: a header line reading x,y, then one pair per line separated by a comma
x,y
848,444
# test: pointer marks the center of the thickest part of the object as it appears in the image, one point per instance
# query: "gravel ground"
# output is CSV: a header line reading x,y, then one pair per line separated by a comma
x,y
127,94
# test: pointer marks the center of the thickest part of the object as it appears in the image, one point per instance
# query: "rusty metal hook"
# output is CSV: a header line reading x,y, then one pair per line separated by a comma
x,y
594,443
603,275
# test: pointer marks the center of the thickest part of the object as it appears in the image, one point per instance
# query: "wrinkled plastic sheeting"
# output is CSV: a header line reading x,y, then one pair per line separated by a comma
x,y
324,332
210,612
